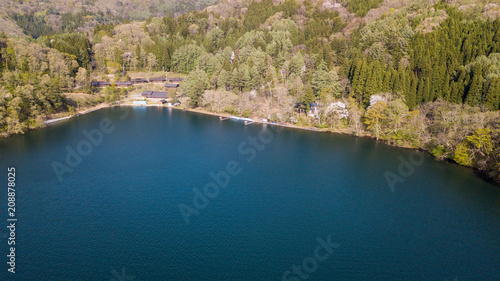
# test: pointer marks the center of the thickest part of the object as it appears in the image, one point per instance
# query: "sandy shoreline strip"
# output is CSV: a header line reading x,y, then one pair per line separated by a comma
x,y
200,111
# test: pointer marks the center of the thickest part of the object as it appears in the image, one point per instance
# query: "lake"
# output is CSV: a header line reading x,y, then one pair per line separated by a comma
x,y
162,194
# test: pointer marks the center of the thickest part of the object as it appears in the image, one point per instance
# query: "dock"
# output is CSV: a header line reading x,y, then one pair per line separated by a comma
x,y
221,118
56,120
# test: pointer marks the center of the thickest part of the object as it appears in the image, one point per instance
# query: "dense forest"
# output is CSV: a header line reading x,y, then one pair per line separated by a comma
x,y
423,75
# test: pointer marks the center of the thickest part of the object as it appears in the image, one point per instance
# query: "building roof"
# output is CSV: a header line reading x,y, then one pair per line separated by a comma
x,y
176,79
155,95
171,85
159,79
123,83
100,83
139,80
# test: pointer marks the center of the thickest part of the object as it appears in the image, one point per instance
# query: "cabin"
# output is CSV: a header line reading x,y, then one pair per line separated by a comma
x,y
314,112
158,80
99,84
171,88
175,80
154,95
139,81
162,102
123,84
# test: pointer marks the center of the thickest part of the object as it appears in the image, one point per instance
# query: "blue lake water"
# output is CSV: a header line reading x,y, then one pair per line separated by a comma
x,y
117,214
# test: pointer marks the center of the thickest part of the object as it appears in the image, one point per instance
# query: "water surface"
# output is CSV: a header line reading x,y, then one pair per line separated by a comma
x,y
119,208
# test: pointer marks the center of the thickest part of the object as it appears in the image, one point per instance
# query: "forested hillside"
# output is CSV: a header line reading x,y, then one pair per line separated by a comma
x,y
420,74
36,18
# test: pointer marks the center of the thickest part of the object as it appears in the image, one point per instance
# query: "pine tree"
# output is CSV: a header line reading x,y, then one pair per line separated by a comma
x,y
457,90
446,91
427,90
386,83
474,94
412,93
370,88
492,97
420,91
308,97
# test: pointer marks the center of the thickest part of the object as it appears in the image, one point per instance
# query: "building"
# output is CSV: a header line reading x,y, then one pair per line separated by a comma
x,y
99,84
314,112
140,102
158,80
171,88
139,81
175,80
162,102
154,95
122,84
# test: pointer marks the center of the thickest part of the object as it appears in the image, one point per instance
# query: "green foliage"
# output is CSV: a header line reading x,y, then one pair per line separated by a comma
x,y
361,7
112,94
456,62
257,14
74,44
374,117
324,79
33,25
462,155
184,59
195,84
438,151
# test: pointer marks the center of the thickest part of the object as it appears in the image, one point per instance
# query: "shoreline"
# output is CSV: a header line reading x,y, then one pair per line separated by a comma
x,y
81,112
224,115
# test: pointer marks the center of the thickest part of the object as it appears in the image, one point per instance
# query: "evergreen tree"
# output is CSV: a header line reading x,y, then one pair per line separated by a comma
x,y
412,93
474,94
308,97
492,97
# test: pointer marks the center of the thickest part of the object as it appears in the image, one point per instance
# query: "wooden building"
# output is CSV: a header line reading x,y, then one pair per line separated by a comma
x,y
139,81
158,80
175,80
154,95
171,88
99,84
123,84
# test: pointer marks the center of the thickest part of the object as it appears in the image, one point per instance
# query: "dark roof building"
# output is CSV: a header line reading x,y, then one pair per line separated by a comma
x,y
157,80
123,84
171,85
99,83
138,80
154,95
175,80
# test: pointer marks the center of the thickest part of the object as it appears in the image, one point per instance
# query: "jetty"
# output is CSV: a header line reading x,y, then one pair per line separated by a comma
x,y
56,120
